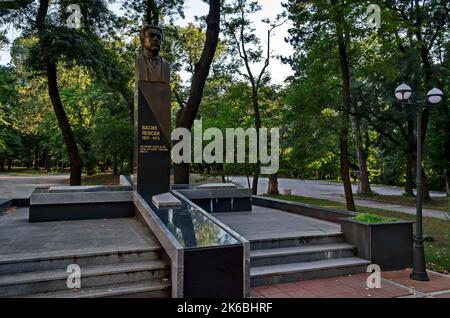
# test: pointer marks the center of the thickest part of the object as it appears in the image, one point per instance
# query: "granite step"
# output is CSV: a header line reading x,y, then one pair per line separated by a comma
x,y
56,280
296,241
308,253
160,288
23,263
285,273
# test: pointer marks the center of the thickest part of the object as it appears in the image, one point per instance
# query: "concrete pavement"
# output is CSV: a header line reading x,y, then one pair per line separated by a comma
x,y
334,191
20,187
264,223
21,239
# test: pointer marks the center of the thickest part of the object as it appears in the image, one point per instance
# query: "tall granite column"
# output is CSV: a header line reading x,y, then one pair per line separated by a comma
x,y
152,118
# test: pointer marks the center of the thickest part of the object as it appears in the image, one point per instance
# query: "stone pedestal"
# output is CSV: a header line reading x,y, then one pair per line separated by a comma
x,y
152,139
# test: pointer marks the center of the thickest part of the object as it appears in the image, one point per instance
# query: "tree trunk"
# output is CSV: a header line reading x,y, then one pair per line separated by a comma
x,y
255,182
47,159
363,175
409,183
447,182
186,115
152,13
345,117
273,184
425,189
181,173
447,149
257,127
76,163
410,159
222,172
426,64
36,155
2,165
10,164
115,166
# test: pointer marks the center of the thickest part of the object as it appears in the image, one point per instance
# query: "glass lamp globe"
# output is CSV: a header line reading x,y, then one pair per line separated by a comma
x,y
435,96
403,92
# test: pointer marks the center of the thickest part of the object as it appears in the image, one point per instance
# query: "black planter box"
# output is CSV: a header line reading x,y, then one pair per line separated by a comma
x,y
389,245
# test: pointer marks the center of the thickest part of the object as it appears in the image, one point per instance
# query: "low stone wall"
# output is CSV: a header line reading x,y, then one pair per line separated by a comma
x,y
389,245
65,206
7,203
220,200
317,212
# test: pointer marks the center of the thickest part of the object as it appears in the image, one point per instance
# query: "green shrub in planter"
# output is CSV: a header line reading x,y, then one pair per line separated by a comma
x,y
373,218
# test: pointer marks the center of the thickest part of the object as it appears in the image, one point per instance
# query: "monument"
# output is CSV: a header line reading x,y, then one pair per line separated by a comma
x,y
152,117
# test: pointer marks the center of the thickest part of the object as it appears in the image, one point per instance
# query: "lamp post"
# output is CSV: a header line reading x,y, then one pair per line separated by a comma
x,y
434,96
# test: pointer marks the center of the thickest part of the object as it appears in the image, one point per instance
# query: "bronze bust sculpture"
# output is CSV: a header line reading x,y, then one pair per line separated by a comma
x,y
150,66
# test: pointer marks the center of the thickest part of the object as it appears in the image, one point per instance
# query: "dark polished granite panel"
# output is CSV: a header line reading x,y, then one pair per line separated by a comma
x,y
221,205
194,229
242,204
81,211
214,272
205,204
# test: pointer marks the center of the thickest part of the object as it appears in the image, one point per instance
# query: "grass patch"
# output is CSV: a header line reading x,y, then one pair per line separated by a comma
x,y
437,203
31,172
436,231
100,179
195,178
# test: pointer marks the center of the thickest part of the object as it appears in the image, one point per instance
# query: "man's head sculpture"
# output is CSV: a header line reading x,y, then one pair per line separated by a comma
x,y
150,66
151,39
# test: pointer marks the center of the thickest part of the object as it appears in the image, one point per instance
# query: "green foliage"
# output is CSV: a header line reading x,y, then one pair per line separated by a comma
x,y
114,139
95,77
379,61
373,218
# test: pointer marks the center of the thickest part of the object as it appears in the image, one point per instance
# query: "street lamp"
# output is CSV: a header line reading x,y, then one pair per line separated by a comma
x,y
434,96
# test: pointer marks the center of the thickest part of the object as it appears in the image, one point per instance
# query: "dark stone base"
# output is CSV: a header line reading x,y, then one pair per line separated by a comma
x,y
242,204
389,245
205,204
21,202
214,272
7,203
81,211
224,205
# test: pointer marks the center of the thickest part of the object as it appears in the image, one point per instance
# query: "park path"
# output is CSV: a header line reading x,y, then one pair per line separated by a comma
x,y
334,191
18,186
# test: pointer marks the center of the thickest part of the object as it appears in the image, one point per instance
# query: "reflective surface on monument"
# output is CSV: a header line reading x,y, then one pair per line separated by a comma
x,y
192,228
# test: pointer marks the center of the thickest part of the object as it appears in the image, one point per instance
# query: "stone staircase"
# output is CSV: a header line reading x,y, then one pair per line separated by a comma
x,y
125,272
283,260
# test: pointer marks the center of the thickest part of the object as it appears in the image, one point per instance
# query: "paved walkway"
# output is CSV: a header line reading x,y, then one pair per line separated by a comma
x,y
393,284
19,238
334,191
20,187
265,223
